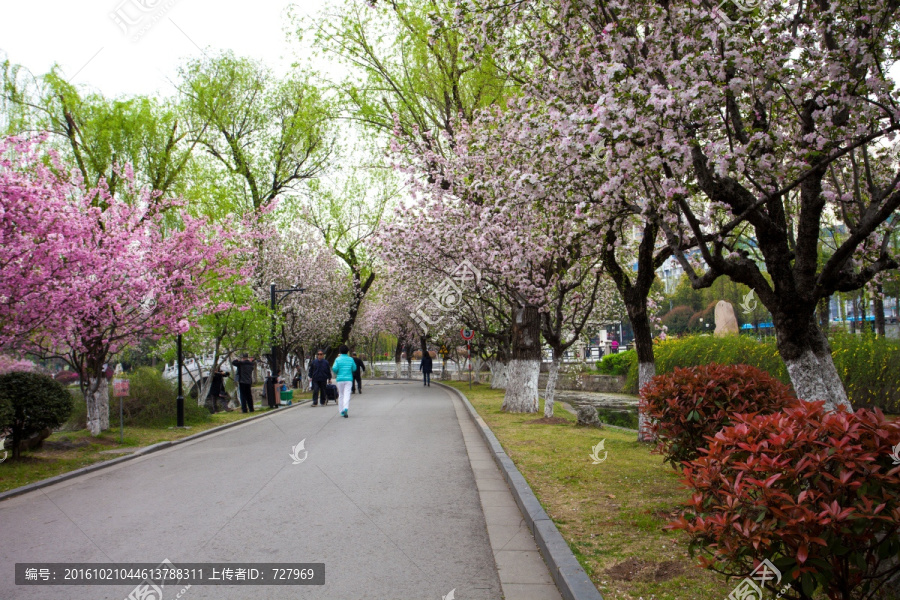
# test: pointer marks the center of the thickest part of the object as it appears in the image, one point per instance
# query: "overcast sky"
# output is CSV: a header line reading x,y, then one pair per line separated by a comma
x,y
125,47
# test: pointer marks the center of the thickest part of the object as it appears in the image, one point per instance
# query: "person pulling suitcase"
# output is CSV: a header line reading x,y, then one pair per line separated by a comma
x,y
320,375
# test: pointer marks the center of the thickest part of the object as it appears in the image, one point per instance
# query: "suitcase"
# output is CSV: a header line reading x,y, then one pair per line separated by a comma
x,y
331,393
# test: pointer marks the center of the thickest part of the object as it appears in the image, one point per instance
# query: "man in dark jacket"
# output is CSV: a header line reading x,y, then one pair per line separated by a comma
x,y
357,374
245,367
425,367
320,375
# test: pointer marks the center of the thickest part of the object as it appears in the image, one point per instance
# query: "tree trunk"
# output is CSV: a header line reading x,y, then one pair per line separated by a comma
x,y
807,356
96,397
304,375
409,361
550,391
477,363
636,306
878,308
206,382
499,372
525,366
398,354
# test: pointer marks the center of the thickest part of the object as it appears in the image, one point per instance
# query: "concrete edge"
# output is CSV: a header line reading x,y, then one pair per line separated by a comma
x,y
141,452
568,574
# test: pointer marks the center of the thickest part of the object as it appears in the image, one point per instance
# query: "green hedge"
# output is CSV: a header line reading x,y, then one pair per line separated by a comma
x,y
867,365
616,364
151,402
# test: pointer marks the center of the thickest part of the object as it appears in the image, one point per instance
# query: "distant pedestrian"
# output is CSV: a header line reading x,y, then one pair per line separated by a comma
x,y
357,374
615,346
319,375
344,367
425,366
245,367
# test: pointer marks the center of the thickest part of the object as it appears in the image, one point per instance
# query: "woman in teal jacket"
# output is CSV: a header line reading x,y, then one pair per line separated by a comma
x,y
343,368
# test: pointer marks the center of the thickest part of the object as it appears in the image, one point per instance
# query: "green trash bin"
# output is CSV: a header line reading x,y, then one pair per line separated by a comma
x,y
287,397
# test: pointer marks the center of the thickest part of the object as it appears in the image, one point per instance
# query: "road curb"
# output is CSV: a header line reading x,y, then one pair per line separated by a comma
x,y
568,574
142,452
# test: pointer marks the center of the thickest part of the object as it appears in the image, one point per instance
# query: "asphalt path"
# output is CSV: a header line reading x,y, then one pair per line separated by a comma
x,y
386,499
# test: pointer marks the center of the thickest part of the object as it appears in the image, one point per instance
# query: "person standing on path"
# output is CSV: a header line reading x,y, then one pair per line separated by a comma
x,y
344,367
217,389
245,367
425,366
357,374
319,375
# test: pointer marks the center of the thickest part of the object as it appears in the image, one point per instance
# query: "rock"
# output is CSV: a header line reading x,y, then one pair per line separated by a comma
x,y
726,321
587,415
35,441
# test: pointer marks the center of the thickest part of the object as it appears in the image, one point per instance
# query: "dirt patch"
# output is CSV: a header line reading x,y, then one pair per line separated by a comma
x,y
547,421
667,570
67,444
644,570
629,569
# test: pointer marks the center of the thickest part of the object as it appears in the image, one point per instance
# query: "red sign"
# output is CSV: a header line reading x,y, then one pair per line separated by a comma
x,y
467,334
120,387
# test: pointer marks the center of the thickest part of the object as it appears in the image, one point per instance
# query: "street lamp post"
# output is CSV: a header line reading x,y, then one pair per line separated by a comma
x,y
273,358
179,402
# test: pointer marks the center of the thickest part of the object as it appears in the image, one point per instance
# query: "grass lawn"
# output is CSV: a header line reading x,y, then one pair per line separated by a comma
x,y
611,513
66,451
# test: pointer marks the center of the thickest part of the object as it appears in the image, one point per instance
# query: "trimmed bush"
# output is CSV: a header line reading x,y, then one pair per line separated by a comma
x,y
151,401
676,320
816,493
617,364
35,403
692,404
866,364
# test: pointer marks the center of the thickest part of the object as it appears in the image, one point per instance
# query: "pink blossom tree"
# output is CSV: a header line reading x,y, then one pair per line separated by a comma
x,y
138,269
731,131
315,317
40,233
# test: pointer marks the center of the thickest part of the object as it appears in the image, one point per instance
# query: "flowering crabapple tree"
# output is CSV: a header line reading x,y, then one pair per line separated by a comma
x,y
134,276
734,138
39,233
484,206
313,318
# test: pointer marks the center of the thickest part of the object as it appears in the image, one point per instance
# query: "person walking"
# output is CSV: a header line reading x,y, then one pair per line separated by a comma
x,y
245,366
425,366
357,374
344,367
320,375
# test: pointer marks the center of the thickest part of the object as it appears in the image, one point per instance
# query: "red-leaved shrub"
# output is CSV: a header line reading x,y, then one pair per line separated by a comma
x,y
816,493
688,405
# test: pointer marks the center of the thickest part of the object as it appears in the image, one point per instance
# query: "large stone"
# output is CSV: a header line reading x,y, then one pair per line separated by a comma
x,y
726,321
587,416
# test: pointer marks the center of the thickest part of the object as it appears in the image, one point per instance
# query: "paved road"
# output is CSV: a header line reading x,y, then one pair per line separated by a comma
x,y
386,499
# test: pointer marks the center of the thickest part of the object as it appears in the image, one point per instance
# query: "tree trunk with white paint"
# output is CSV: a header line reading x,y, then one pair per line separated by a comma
x,y
96,398
643,343
477,363
499,371
525,367
807,356
550,391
